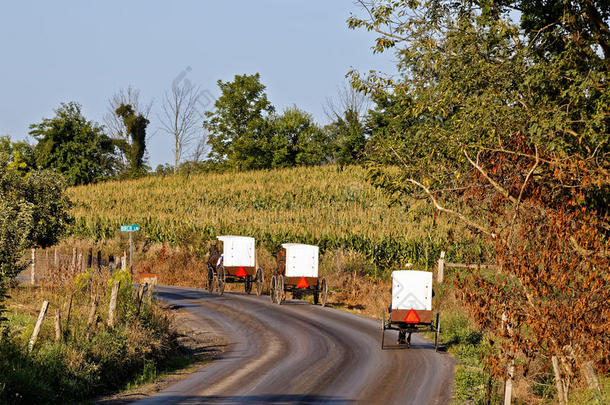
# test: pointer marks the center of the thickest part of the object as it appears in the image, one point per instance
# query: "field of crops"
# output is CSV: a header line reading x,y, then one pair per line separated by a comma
x,y
321,205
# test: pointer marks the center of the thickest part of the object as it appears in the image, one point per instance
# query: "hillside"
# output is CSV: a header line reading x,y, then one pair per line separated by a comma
x,y
318,205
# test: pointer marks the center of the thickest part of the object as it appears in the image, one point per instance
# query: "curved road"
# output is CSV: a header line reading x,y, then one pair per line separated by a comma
x,y
298,353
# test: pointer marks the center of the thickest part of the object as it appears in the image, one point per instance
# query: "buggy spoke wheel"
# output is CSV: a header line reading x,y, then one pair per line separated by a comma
x,y
437,331
272,289
259,281
382,328
323,291
248,284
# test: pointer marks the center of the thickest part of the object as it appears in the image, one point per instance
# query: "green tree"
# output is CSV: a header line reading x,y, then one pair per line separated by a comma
x,y
348,132
240,132
34,211
135,126
18,155
504,127
299,140
74,146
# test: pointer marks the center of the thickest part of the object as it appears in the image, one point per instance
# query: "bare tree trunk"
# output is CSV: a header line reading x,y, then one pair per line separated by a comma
x,y
562,395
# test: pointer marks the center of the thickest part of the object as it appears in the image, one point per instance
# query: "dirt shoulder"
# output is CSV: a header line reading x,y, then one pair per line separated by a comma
x,y
201,343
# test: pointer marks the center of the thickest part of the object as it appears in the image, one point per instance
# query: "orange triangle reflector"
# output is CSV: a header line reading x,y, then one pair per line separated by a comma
x,y
303,283
412,317
241,272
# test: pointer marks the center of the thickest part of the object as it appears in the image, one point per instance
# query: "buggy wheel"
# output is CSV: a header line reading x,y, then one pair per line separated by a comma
x,y
248,284
210,280
221,280
280,290
316,295
323,291
382,328
272,289
437,331
260,281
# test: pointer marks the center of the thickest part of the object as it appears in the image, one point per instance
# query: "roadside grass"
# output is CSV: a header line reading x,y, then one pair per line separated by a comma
x,y
140,346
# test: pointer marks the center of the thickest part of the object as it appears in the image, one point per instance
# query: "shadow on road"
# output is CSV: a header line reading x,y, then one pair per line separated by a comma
x,y
251,399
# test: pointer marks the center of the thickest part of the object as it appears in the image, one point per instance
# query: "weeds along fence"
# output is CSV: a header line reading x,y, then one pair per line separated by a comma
x,y
322,205
59,265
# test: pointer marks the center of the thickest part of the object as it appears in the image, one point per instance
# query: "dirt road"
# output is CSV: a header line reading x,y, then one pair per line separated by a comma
x,y
298,353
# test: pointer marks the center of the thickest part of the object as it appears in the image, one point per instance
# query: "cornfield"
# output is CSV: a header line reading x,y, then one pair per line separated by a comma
x,y
325,206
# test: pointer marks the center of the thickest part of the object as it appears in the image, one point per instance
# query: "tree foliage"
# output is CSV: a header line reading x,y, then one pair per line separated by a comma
x,y
33,212
135,127
300,141
504,127
240,133
74,146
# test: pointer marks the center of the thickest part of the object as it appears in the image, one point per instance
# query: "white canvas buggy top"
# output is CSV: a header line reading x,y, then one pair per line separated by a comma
x,y
238,251
412,289
301,260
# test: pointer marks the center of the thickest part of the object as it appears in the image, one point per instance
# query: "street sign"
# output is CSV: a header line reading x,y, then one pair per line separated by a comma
x,y
130,228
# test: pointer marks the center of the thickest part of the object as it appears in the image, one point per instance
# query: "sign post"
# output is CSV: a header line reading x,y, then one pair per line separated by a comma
x,y
131,229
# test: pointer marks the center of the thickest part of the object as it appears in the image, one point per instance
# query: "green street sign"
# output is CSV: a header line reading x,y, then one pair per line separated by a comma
x,y
130,228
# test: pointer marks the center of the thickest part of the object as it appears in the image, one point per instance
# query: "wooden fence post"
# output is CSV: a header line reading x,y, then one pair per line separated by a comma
x,y
561,394
33,273
112,305
80,261
440,268
73,258
90,259
41,315
124,263
94,305
58,325
140,296
56,259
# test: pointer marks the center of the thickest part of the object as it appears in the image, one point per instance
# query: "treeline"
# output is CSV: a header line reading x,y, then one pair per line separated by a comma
x,y
243,131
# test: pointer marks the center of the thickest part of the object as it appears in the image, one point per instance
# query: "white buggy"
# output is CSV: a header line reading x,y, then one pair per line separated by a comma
x,y
297,272
235,263
411,309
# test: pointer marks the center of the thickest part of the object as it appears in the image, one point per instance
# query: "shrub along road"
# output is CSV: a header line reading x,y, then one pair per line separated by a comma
x,y
301,353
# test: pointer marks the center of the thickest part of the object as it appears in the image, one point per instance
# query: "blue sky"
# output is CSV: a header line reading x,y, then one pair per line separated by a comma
x,y
84,51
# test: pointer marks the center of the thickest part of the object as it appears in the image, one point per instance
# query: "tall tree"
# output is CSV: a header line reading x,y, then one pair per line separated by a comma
x,y
74,146
349,135
18,155
135,127
34,211
504,128
299,140
240,133
181,118
115,124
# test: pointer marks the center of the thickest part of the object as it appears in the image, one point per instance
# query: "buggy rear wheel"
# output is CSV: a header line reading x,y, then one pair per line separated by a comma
x,y
260,281
248,284
210,280
437,331
382,328
323,291
272,289
221,280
